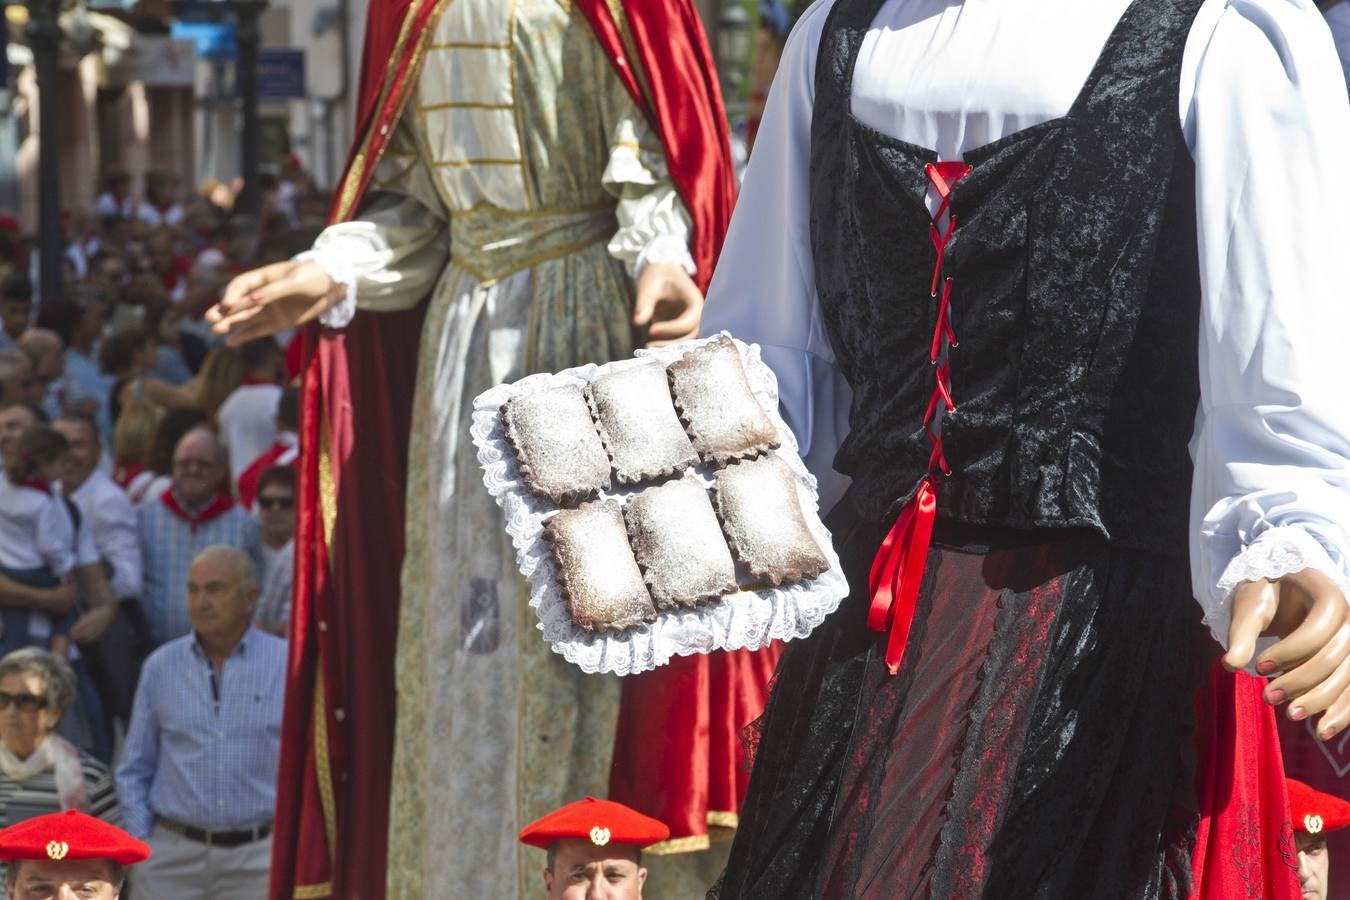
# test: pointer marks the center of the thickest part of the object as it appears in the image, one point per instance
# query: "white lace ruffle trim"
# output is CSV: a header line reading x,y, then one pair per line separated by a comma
x,y
340,314
666,248
1274,554
745,620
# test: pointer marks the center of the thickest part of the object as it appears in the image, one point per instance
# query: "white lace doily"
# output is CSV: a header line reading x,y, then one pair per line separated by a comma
x,y
745,620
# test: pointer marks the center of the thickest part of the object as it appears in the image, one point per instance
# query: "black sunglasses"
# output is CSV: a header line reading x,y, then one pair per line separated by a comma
x,y
276,502
26,702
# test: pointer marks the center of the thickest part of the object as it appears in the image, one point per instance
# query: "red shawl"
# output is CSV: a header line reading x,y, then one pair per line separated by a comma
x,y
337,734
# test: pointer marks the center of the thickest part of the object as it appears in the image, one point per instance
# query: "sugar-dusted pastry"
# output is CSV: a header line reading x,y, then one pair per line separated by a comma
x,y
762,518
717,406
679,544
596,571
560,455
638,425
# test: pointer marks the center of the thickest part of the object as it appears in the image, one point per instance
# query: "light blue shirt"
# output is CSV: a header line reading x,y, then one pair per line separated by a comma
x,y
169,544
83,378
202,750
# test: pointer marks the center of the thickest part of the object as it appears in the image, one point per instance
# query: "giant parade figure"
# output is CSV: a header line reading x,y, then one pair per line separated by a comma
x,y
554,175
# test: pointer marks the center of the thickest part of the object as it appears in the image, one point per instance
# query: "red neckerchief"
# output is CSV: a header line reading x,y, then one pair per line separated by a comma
x,y
213,510
38,484
254,381
125,473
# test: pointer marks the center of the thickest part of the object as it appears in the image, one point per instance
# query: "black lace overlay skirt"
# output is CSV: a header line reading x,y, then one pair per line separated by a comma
x,y
1036,743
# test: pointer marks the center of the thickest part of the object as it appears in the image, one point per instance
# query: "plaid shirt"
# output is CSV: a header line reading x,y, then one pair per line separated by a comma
x,y
202,750
169,543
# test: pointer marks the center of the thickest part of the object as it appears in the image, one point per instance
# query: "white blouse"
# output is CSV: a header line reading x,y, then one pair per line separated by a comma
x,y
1265,114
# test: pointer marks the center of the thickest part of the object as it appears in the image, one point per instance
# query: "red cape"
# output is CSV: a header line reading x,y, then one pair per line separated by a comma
x,y
337,736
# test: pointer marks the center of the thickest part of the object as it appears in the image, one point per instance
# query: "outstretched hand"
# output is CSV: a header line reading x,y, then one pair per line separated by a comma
x,y
669,304
1308,612
272,299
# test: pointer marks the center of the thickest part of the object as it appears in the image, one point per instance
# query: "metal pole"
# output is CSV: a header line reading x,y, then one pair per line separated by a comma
x,y
9,178
246,84
44,36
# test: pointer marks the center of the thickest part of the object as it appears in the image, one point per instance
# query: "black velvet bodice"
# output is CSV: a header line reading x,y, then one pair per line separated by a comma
x,y
1076,297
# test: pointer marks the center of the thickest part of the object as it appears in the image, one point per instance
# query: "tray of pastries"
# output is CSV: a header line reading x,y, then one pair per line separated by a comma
x,y
658,506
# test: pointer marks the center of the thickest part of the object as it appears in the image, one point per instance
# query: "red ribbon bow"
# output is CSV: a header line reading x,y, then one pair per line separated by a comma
x,y
897,571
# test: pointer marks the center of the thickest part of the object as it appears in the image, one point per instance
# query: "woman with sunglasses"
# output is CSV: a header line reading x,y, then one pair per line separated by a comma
x,y
275,506
40,772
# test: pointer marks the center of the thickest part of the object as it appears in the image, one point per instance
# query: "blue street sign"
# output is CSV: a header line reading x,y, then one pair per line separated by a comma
x,y
214,40
281,73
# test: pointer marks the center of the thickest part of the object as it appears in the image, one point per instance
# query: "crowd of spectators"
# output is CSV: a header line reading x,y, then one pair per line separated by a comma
x,y
147,514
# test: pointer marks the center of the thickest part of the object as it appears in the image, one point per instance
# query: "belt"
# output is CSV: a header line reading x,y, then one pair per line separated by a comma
x,y
225,838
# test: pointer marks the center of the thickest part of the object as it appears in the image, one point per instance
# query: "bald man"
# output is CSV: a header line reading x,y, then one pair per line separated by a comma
x,y
193,514
199,788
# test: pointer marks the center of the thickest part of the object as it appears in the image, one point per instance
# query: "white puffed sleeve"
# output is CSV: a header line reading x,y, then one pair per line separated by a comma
x,y
390,257
1266,116
653,222
764,290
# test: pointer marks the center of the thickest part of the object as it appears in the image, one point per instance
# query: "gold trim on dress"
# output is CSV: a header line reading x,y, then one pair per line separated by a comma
x,y
396,177
313,891
606,206
626,144
633,61
467,45
362,160
486,280
464,163
724,821
464,104
717,819
515,104
691,844
322,766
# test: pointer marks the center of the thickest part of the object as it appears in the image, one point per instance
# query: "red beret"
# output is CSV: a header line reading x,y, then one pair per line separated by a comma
x,y
1314,812
599,821
70,835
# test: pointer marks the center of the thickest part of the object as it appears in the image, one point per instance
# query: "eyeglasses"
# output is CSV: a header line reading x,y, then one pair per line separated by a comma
x,y
193,464
25,702
275,502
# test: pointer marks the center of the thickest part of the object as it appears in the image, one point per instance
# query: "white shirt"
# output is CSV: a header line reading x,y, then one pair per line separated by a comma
x,y
109,205
154,217
109,517
1267,121
35,530
248,423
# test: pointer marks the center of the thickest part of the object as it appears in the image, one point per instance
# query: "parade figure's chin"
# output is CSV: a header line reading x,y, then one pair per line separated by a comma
x,y
1314,864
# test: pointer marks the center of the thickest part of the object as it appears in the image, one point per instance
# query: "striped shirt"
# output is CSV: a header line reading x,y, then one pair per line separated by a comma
x,y
202,750
37,796
169,543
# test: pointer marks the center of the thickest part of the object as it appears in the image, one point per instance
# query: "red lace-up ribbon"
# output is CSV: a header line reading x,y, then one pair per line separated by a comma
x,y
897,569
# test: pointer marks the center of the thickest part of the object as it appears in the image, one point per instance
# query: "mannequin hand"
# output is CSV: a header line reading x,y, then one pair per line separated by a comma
x,y
668,304
1308,612
271,299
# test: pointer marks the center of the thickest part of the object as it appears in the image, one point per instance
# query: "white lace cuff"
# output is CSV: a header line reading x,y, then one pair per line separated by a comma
x,y
1276,553
666,248
340,314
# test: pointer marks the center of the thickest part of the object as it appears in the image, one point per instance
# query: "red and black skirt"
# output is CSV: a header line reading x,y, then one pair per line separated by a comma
x,y
1058,728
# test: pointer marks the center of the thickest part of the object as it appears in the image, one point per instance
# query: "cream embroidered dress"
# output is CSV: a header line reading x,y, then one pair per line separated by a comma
x,y
521,190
